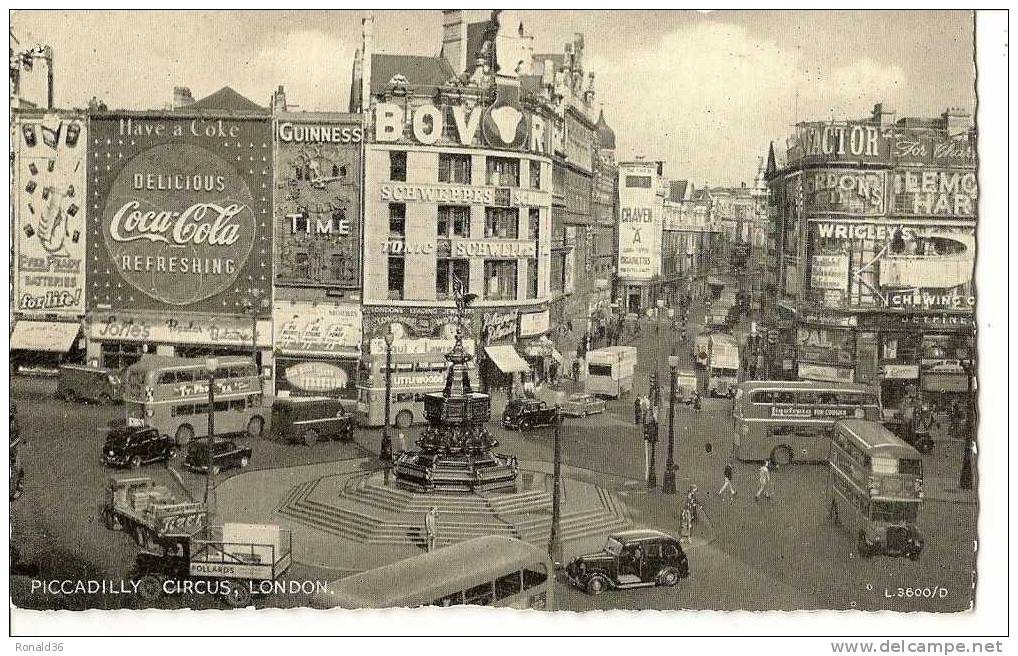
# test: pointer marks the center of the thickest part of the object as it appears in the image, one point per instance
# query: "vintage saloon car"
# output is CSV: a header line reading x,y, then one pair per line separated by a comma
x,y
522,414
637,558
225,454
581,405
132,446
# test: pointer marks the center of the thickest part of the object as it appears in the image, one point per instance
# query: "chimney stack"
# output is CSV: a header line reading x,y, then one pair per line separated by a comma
x,y
883,116
454,39
956,121
182,97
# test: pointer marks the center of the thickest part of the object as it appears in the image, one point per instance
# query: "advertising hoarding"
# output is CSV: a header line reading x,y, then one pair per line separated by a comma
x,y
50,209
317,201
181,211
303,328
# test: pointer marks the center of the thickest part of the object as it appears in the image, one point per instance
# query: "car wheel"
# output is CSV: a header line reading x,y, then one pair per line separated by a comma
x,y
255,426
781,455
596,584
668,577
524,425
310,437
238,596
184,435
104,399
150,588
244,462
135,462
404,418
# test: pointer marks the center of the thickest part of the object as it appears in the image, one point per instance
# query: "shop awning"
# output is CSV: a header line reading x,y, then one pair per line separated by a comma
x,y
53,336
507,359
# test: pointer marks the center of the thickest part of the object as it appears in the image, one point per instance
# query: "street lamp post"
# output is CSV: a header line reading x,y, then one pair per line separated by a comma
x,y
668,486
554,543
966,477
389,338
252,303
212,364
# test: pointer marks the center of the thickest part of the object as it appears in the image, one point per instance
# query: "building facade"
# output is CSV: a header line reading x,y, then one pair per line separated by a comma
x,y
641,210
316,312
874,235
457,191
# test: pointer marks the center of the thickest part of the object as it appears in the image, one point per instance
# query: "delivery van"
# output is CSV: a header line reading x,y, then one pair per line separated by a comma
x,y
610,371
77,382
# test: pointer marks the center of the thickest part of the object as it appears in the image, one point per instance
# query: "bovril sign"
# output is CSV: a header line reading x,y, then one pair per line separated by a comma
x,y
505,126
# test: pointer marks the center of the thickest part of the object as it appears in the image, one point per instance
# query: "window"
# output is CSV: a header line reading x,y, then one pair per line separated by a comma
x,y
508,585
532,277
501,222
500,280
182,410
221,406
535,174
396,266
765,398
599,369
397,219
185,376
404,397
167,377
534,223
453,221
454,168
638,181
397,166
479,595
784,397
503,172
448,270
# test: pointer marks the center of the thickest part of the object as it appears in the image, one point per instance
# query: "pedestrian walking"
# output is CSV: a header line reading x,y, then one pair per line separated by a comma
x,y
385,455
644,408
697,403
576,370
765,480
638,410
402,442
691,503
728,485
657,397
431,528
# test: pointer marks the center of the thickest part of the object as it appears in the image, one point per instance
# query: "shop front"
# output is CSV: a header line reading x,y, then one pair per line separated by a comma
x,y
317,348
537,348
498,363
180,238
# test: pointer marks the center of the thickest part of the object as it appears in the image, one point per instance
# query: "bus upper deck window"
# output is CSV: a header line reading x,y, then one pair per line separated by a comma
x,y
166,377
785,397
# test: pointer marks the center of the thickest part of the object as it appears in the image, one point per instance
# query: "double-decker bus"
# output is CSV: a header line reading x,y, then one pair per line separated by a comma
x,y
790,421
876,488
487,571
418,367
171,394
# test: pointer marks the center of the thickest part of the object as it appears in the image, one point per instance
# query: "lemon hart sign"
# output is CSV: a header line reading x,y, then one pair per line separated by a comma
x,y
181,211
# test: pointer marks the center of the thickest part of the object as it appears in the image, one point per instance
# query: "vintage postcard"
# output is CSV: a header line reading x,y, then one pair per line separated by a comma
x,y
395,309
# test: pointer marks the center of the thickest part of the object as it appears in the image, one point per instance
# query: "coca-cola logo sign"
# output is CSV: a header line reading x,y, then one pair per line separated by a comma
x,y
179,223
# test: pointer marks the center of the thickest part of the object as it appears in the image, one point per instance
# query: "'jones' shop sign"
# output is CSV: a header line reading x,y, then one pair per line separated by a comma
x,y
180,212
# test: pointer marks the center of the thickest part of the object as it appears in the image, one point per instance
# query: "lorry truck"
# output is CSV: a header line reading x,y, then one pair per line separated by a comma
x,y
150,512
610,371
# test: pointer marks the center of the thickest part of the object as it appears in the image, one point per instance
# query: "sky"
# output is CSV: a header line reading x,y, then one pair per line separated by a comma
x,y
704,91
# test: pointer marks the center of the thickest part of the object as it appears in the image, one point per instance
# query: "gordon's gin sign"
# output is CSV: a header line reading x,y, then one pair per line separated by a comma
x,y
182,223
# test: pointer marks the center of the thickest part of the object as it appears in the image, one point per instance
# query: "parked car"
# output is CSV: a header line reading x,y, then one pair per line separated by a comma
x,y
307,420
523,414
133,447
76,382
630,559
225,454
581,405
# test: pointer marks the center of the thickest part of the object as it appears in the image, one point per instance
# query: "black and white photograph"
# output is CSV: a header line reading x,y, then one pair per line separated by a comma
x,y
546,310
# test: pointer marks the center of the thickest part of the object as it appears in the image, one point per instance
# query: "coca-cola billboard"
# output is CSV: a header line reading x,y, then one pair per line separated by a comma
x,y
181,212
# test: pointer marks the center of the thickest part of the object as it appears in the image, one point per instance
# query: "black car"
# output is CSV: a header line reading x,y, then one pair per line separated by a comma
x,y
522,414
130,446
308,420
630,559
225,454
